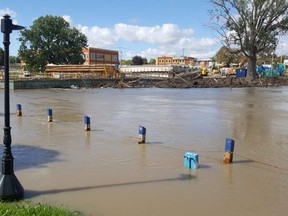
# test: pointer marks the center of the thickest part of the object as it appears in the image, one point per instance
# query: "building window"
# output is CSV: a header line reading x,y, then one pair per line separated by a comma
x,y
93,56
100,57
114,58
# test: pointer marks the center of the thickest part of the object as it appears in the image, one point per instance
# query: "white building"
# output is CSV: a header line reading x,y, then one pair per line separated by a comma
x,y
153,71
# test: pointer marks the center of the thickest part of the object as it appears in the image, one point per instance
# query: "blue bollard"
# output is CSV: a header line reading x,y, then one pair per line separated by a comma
x,y
191,160
18,110
142,135
229,149
229,145
50,116
87,123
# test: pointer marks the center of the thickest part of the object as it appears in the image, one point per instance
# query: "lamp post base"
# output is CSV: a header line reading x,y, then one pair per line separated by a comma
x,y
10,188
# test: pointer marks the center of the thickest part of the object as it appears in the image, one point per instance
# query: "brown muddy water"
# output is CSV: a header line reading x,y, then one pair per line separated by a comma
x,y
105,172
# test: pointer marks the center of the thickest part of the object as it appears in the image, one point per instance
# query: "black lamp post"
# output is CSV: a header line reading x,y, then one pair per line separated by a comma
x,y
10,187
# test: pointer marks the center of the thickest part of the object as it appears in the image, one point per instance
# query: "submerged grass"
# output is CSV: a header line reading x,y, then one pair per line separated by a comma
x,y
29,209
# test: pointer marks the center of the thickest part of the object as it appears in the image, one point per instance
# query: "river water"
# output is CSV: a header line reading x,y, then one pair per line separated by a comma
x,y
105,172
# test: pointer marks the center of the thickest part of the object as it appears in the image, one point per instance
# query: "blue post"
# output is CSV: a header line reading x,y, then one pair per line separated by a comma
x,y
18,110
142,135
50,116
191,160
229,149
87,123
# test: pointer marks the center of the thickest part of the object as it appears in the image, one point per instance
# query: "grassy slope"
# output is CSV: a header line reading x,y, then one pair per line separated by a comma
x,y
28,209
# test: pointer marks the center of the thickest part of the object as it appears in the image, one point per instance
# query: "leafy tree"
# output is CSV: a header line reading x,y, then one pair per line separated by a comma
x,y
137,60
152,61
14,59
145,61
250,26
126,62
51,40
1,57
224,55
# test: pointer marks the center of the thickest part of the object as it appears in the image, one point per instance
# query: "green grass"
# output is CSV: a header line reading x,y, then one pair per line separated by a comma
x,y
28,209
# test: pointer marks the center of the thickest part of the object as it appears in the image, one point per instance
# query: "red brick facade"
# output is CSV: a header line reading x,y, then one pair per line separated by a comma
x,y
100,56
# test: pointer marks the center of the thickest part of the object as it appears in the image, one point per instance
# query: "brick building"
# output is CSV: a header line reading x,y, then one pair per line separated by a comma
x,y
100,56
167,60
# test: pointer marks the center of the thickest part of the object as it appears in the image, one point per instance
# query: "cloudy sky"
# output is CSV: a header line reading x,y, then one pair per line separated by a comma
x,y
148,28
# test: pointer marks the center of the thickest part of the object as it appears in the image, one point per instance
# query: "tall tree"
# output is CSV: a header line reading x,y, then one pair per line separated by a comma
x,y
137,60
51,40
152,61
145,61
126,62
14,60
250,26
226,57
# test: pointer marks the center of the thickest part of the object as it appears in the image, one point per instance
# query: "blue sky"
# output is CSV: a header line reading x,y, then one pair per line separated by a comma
x,y
147,28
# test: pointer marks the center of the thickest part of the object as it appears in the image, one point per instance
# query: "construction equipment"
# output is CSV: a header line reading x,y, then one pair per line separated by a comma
x,y
204,71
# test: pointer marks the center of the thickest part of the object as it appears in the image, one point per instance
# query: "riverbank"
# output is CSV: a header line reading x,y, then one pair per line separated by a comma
x,y
200,82
176,82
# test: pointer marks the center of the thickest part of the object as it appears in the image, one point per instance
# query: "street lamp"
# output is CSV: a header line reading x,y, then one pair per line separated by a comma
x,y
10,187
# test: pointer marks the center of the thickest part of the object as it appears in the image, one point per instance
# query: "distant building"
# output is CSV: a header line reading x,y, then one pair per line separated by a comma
x,y
204,63
167,60
95,56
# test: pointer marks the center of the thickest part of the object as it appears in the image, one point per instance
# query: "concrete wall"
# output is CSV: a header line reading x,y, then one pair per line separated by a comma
x,y
54,83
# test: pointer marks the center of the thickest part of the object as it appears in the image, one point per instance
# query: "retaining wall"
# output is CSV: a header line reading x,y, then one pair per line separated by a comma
x,y
55,83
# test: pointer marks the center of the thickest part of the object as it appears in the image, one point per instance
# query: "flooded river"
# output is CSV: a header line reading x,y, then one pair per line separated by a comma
x,y
105,172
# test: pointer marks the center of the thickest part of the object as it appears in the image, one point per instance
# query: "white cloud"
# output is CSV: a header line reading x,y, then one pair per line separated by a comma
x,y
7,11
149,41
11,13
175,50
99,37
282,45
167,33
68,19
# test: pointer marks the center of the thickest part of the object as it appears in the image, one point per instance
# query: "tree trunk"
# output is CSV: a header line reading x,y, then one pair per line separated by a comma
x,y
251,69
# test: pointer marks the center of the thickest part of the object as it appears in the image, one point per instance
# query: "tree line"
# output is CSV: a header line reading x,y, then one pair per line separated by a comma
x,y
12,59
225,57
138,60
